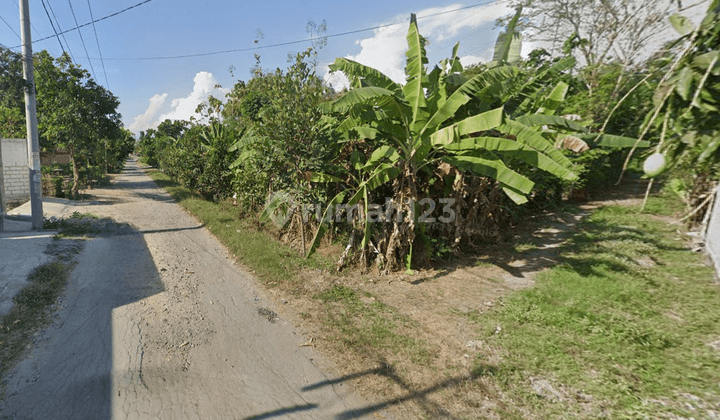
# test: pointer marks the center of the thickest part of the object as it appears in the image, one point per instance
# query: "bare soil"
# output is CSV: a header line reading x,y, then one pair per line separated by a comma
x,y
437,304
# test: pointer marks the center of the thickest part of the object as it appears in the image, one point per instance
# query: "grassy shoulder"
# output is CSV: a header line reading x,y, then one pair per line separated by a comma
x,y
272,261
623,325
620,328
33,305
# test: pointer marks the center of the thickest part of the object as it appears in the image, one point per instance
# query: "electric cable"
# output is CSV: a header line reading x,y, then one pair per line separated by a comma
x,y
17,6
92,69
11,28
53,26
98,45
94,21
62,32
300,41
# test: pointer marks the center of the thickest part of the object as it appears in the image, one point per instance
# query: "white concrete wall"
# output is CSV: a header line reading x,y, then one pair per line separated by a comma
x,y
15,170
712,241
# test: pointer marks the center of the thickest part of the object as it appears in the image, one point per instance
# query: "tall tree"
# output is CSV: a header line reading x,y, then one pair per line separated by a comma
x,y
74,112
600,30
12,115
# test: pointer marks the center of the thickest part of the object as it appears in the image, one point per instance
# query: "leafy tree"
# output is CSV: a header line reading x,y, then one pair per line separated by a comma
x,y
74,112
686,107
600,30
285,137
12,104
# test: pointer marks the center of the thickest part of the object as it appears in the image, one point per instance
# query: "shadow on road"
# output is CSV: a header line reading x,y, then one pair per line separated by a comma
x,y
69,373
430,409
283,412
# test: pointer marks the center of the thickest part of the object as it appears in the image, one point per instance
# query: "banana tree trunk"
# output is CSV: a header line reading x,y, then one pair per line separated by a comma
x,y
402,236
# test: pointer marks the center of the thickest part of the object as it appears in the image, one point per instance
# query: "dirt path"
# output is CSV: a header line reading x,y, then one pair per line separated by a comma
x,y
162,324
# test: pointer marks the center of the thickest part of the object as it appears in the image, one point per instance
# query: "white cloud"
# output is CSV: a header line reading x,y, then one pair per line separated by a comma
x,y
180,108
184,108
469,60
385,50
148,119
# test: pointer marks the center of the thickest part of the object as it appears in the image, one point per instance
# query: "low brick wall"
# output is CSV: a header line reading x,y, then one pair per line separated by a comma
x,y
16,175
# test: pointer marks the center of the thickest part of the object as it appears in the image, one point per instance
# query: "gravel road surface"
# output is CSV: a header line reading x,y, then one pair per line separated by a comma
x,y
160,323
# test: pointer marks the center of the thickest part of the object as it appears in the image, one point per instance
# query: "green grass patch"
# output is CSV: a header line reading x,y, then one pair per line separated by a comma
x,y
663,203
626,317
30,312
86,224
524,247
368,326
254,247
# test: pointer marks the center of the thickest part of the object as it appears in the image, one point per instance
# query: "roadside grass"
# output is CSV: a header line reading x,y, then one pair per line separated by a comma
x,y
356,322
78,224
619,329
360,323
271,261
31,311
625,318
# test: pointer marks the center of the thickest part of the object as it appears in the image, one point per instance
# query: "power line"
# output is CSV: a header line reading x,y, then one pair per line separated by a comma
x,y
61,33
17,6
300,41
94,21
81,38
11,28
53,26
98,45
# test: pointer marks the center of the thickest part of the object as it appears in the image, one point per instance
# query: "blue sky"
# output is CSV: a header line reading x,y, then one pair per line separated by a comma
x,y
152,89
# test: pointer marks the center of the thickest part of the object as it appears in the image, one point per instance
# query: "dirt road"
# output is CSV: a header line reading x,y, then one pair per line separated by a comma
x,y
161,324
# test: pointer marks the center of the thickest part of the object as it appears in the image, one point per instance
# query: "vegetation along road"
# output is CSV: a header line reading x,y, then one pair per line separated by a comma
x,y
160,323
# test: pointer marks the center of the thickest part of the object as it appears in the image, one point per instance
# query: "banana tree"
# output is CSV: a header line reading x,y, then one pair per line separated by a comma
x,y
416,127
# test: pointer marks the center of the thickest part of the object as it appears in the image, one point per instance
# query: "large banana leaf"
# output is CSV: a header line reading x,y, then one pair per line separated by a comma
x,y
492,168
244,145
437,92
555,99
526,135
522,102
515,150
323,223
515,195
322,177
376,78
508,44
539,120
381,154
475,124
354,97
612,141
415,85
465,92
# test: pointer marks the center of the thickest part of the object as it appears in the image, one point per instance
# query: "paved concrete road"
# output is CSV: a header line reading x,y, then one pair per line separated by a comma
x,y
162,324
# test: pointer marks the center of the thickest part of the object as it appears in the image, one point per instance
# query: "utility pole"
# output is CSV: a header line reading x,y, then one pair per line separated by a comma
x,y
2,192
36,204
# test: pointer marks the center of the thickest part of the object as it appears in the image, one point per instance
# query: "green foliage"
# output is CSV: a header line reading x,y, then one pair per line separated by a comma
x,y
594,105
12,105
285,137
686,103
440,117
626,307
74,114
